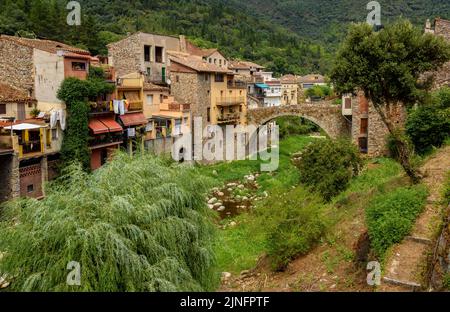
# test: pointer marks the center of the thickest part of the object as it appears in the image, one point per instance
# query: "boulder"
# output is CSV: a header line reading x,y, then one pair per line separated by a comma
x,y
212,200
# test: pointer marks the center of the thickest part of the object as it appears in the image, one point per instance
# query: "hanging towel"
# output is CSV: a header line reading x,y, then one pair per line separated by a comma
x,y
122,107
111,107
53,119
62,119
116,104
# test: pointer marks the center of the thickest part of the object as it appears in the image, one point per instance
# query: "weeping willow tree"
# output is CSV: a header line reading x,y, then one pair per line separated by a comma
x,y
136,224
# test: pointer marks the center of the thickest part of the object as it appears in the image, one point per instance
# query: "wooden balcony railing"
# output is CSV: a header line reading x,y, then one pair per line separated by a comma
x,y
236,84
230,101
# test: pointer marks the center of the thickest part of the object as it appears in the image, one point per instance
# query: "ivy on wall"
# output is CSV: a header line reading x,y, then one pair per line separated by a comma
x,y
75,93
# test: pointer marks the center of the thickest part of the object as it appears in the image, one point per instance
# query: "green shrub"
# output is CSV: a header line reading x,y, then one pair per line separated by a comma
x,y
447,188
295,222
390,216
328,165
428,126
136,224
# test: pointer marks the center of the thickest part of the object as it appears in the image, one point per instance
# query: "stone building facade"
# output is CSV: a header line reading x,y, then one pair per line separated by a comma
x,y
441,28
368,131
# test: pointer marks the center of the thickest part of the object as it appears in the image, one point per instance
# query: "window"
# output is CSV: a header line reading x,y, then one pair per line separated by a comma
x,y
206,77
215,61
149,71
150,99
30,188
224,62
219,78
177,78
147,50
79,66
2,108
240,108
210,60
159,54
161,98
220,62
348,103
364,125
221,92
208,114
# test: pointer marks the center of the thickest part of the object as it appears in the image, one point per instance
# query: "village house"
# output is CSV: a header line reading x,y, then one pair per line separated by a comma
x,y
248,71
311,80
289,90
211,90
31,71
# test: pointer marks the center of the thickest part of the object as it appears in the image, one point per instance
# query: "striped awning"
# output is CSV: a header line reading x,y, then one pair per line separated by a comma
x,y
104,125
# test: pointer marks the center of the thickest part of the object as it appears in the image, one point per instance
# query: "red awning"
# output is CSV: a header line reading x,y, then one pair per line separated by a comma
x,y
133,119
112,125
97,126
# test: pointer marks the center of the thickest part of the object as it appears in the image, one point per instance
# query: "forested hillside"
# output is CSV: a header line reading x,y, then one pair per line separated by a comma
x,y
287,36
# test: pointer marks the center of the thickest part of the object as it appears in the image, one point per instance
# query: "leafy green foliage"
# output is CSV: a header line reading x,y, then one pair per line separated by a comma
x,y
295,222
390,216
75,93
290,125
386,65
212,23
136,224
319,91
428,126
328,165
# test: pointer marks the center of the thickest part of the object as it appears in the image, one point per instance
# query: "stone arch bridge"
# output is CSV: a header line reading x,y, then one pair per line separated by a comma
x,y
326,115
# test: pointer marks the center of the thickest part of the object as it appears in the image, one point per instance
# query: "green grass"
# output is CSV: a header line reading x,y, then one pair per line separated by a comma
x,y
285,176
390,216
239,247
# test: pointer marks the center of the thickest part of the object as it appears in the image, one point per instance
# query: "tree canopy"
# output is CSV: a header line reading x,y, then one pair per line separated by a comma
x,y
136,224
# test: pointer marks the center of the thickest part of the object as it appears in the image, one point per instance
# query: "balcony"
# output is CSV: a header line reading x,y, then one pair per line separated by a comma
x,y
30,147
99,107
135,105
230,101
105,140
157,78
228,117
176,107
236,84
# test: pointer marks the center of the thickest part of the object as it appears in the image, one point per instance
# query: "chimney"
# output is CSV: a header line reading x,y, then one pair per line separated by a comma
x,y
183,45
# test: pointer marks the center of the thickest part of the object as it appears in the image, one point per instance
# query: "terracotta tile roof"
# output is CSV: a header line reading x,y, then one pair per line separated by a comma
x,y
196,63
288,79
194,50
238,64
45,45
11,94
148,86
312,78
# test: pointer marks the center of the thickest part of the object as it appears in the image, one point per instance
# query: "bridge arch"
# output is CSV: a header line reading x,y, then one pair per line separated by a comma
x,y
324,114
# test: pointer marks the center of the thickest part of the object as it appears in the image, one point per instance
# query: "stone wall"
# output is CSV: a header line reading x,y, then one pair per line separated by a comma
x,y
377,131
191,88
125,55
16,64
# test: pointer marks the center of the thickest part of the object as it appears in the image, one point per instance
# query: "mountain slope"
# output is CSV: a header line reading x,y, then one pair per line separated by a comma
x,y
326,20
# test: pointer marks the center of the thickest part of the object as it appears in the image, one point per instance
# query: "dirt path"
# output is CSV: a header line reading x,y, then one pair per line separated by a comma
x,y
330,266
407,264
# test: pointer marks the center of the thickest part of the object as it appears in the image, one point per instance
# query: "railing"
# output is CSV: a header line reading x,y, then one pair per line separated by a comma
x,y
230,101
236,84
99,107
107,139
179,107
30,147
157,78
228,117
